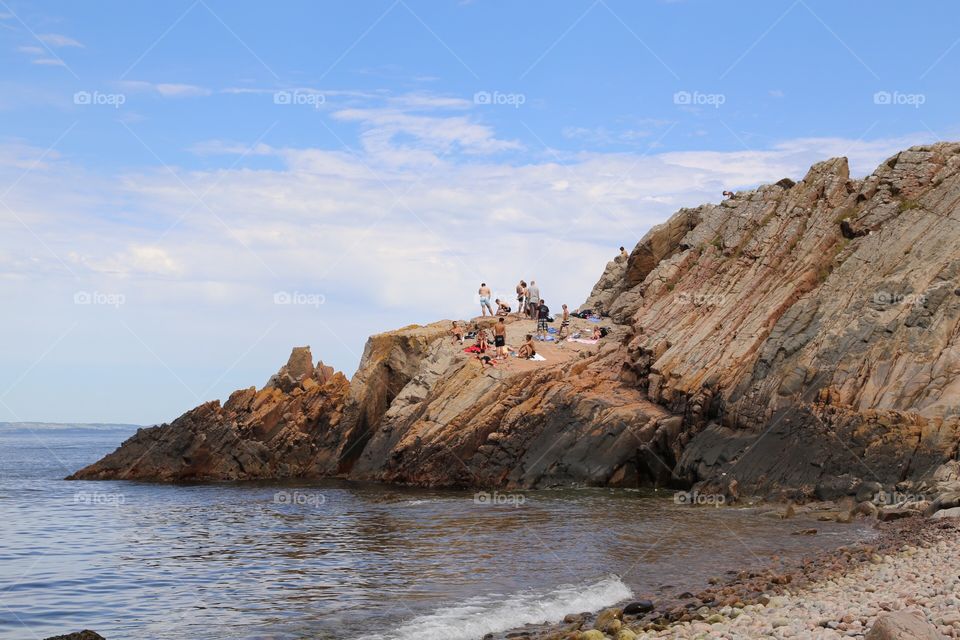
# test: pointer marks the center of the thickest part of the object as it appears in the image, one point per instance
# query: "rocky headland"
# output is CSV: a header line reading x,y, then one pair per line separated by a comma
x,y
798,341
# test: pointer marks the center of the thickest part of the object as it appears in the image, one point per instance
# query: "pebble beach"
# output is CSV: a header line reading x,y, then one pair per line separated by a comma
x,y
911,572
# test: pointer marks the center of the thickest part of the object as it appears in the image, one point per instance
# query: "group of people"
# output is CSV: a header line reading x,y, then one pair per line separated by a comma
x,y
530,305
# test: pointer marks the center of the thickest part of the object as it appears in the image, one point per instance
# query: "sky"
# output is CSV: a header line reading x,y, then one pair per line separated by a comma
x,y
189,189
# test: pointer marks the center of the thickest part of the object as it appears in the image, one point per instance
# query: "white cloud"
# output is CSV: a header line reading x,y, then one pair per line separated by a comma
x,y
386,243
167,90
50,62
58,40
34,51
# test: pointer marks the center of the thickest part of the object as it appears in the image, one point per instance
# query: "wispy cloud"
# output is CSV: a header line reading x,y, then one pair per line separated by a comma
x,y
167,90
58,40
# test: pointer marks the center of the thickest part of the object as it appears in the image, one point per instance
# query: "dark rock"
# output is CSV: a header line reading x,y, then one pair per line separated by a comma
x,y
79,635
638,607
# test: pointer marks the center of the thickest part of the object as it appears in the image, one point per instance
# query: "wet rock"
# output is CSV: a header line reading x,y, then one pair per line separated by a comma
x,y
953,512
642,606
79,635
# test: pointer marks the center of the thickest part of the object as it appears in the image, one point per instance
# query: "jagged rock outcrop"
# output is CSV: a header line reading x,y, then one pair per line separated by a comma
x,y
283,430
802,337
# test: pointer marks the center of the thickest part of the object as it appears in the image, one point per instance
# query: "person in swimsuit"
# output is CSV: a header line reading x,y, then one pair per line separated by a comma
x,y
503,309
481,343
521,298
527,350
457,332
500,338
485,299
564,324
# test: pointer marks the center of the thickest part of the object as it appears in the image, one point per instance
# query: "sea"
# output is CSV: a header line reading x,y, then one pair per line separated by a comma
x,y
338,560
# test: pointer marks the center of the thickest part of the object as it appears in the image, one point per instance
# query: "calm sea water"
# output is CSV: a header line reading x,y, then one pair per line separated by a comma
x,y
338,560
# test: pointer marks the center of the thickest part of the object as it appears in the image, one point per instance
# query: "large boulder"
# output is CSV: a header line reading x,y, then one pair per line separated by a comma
x,y
907,624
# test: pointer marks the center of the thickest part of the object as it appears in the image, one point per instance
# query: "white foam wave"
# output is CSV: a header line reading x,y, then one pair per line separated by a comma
x,y
477,617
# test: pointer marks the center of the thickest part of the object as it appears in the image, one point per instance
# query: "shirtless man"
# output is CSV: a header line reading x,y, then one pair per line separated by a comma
x,y
457,332
564,324
485,299
500,338
521,298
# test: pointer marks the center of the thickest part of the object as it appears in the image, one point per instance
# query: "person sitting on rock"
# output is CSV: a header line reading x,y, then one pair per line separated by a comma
x,y
624,256
597,333
728,194
481,343
457,332
527,350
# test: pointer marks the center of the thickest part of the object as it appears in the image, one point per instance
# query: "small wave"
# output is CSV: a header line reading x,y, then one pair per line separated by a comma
x,y
477,617
414,503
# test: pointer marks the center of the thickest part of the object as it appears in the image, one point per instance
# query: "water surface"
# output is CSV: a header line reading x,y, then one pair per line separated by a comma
x,y
338,560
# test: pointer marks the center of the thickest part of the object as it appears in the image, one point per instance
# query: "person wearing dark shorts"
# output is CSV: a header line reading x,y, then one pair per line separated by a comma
x,y
543,314
500,338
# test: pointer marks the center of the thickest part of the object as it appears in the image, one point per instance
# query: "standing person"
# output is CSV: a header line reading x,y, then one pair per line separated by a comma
x,y
521,298
543,314
533,299
500,338
564,324
485,299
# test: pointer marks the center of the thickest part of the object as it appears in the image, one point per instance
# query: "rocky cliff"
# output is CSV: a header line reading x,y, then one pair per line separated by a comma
x,y
801,338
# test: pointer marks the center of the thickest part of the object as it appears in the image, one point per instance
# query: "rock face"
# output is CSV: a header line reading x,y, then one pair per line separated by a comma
x,y
801,338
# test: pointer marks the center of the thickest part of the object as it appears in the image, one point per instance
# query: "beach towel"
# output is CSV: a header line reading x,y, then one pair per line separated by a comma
x,y
473,349
582,340
539,357
594,318
551,330
545,338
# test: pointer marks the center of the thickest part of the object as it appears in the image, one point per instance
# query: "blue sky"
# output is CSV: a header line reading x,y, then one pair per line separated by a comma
x,y
188,189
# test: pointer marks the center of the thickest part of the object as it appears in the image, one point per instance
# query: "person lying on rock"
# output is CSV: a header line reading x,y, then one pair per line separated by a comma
x,y
457,332
527,350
